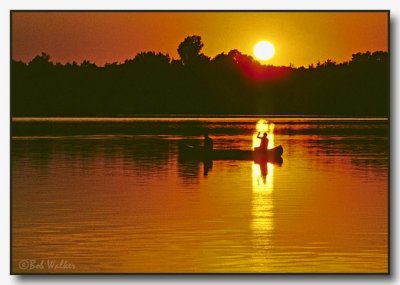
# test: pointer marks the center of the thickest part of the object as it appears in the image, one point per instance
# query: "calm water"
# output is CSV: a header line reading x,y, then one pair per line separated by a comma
x,y
111,195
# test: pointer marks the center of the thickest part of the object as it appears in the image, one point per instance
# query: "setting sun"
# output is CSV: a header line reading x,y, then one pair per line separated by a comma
x,y
264,50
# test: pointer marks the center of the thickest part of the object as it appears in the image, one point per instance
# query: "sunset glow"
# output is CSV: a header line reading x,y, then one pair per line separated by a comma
x,y
302,38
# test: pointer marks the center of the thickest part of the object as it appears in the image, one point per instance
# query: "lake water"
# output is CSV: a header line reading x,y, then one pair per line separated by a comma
x,y
111,195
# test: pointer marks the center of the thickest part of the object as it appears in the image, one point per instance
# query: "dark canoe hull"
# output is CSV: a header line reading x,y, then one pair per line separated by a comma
x,y
198,153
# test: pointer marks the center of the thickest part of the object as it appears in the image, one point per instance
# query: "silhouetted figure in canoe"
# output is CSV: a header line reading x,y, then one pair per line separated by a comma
x,y
208,143
208,147
264,142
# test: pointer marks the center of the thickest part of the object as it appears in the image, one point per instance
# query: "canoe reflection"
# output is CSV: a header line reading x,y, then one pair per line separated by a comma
x,y
207,166
263,176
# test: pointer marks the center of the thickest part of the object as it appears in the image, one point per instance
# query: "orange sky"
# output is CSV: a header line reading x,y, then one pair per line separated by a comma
x,y
300,38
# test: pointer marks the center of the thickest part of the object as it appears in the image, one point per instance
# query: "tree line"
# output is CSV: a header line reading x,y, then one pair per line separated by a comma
x,y
230,83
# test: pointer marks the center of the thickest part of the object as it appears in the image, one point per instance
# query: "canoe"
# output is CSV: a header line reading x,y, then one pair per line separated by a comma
x,y
197,152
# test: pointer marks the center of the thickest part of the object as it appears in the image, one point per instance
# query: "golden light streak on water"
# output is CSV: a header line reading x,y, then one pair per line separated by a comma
x,y
263,175
262,223
262,212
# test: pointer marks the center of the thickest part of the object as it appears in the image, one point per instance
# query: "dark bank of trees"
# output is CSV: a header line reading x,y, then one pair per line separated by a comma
x,y
233,83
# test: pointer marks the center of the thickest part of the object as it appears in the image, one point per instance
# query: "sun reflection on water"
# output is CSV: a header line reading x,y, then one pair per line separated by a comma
x,y
264,126
263,174
262,177
262,223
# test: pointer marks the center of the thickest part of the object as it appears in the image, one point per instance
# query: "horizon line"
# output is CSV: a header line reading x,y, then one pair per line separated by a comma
x,y
292,65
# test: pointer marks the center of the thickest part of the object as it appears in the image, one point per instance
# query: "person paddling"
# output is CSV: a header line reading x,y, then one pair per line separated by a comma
x,y
264,142
208,143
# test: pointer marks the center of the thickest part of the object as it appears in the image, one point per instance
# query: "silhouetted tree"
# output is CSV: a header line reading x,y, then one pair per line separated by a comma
x,y
151,58
232,83
189,50
87,64
41,61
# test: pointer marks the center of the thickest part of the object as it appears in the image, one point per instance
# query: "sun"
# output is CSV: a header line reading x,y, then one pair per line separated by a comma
x,y
264,50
